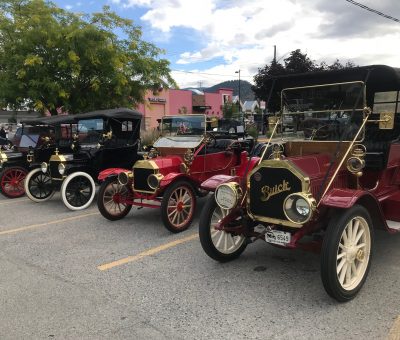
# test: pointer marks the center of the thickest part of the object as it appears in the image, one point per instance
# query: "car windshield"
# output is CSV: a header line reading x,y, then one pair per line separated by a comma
x,y
90,130
189,125
323,112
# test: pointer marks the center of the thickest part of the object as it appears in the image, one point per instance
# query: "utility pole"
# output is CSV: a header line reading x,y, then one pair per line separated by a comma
x,y
274,53
240,107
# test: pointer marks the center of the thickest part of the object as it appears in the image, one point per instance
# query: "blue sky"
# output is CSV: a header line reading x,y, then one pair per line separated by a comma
x,y
206,41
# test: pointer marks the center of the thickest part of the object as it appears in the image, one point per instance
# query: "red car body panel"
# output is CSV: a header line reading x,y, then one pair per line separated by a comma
x,y
110,172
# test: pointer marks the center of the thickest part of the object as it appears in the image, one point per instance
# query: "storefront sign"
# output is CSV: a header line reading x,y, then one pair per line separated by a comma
x,y
156,100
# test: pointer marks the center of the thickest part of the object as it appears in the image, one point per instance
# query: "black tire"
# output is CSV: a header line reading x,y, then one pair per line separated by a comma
x,y
110,209
339,263
169,211
39,186
210,210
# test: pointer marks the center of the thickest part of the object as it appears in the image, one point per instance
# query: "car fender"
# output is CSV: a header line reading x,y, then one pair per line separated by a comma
x,y
346,198
110,172
173,176
213,182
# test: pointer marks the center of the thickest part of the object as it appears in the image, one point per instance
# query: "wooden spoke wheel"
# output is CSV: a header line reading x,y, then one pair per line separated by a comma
x,y
177,206
12,182
218,244
346,253
38,186
112,198
78,190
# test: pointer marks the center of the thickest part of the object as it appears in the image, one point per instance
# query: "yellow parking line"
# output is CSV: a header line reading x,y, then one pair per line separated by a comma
x,y
34,226
394,333
14,201
148,252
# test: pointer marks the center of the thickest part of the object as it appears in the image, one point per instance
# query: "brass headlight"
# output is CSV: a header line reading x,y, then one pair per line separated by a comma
x,y
61,168
3,158
355,164
299,207
154,180
43,166
228,195
125,177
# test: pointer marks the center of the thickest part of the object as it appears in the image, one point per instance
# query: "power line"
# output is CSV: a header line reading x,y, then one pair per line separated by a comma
x,y
210,74
373,10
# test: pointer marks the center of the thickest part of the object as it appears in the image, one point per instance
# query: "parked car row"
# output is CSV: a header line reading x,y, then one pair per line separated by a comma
x,y
325,188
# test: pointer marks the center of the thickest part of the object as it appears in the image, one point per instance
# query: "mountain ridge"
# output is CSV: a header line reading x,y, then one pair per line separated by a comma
x,y
245,89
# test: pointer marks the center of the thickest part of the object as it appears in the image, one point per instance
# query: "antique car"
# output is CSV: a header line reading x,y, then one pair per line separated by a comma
x,y
326,190
35,142
100,139
170,175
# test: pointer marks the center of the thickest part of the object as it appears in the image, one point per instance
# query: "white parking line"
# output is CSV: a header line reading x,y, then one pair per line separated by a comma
x,y
394,333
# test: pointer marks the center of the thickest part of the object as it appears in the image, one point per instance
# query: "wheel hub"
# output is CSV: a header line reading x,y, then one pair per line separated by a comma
x,y
351,254
116,198
179,206
360,255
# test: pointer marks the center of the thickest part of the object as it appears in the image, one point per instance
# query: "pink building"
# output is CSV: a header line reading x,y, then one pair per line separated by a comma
x,y
164,103
212,103
172,102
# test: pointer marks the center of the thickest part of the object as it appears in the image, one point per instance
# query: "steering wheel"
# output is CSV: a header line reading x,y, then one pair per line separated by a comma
x,y
322,133
210,140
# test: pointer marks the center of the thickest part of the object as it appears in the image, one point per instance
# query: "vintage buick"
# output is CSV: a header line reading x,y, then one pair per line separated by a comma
x,y
327,185
36,142
170,175
100,139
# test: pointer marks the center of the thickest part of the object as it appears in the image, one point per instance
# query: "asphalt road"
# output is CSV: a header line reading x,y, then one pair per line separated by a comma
x,y
156,285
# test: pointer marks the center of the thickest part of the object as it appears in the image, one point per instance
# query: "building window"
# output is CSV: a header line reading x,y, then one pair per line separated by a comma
x,y
225,98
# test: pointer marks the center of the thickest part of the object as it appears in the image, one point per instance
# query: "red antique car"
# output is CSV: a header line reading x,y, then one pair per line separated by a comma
x,y
170,175
326,185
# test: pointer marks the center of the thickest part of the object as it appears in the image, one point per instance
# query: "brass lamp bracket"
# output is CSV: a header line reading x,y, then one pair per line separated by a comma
x,y
107,135
385,121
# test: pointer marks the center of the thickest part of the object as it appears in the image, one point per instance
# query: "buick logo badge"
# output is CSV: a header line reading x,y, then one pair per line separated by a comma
x,y
257,177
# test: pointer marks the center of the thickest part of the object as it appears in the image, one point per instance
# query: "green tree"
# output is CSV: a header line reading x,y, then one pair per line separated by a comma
x,y
230,110
296,62
51,58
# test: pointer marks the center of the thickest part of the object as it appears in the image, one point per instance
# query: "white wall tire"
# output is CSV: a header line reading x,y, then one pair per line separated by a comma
x,y
33,189
78,190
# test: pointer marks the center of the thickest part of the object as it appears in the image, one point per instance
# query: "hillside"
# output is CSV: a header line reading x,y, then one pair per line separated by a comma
x,y
245,88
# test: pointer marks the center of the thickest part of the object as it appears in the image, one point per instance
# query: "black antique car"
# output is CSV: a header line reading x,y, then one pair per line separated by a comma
x,y
36,141
100,140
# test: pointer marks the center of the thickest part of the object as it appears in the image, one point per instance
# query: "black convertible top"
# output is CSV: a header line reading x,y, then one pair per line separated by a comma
x,y
52,120
382,78
120,113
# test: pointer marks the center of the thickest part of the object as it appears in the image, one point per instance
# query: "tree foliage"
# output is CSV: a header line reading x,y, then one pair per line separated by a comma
x,y
51,58
296,62
230,110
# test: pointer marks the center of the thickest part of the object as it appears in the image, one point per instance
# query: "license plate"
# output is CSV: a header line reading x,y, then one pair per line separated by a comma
x,y
277,237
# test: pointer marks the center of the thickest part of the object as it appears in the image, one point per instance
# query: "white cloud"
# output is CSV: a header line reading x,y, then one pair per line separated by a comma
x,y
243,33
69,7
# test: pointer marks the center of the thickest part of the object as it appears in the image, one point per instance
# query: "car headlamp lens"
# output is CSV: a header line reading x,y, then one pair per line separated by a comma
x,y
227,195
298,208
154,180
43,166
124,177
302,207
61,168
355,164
